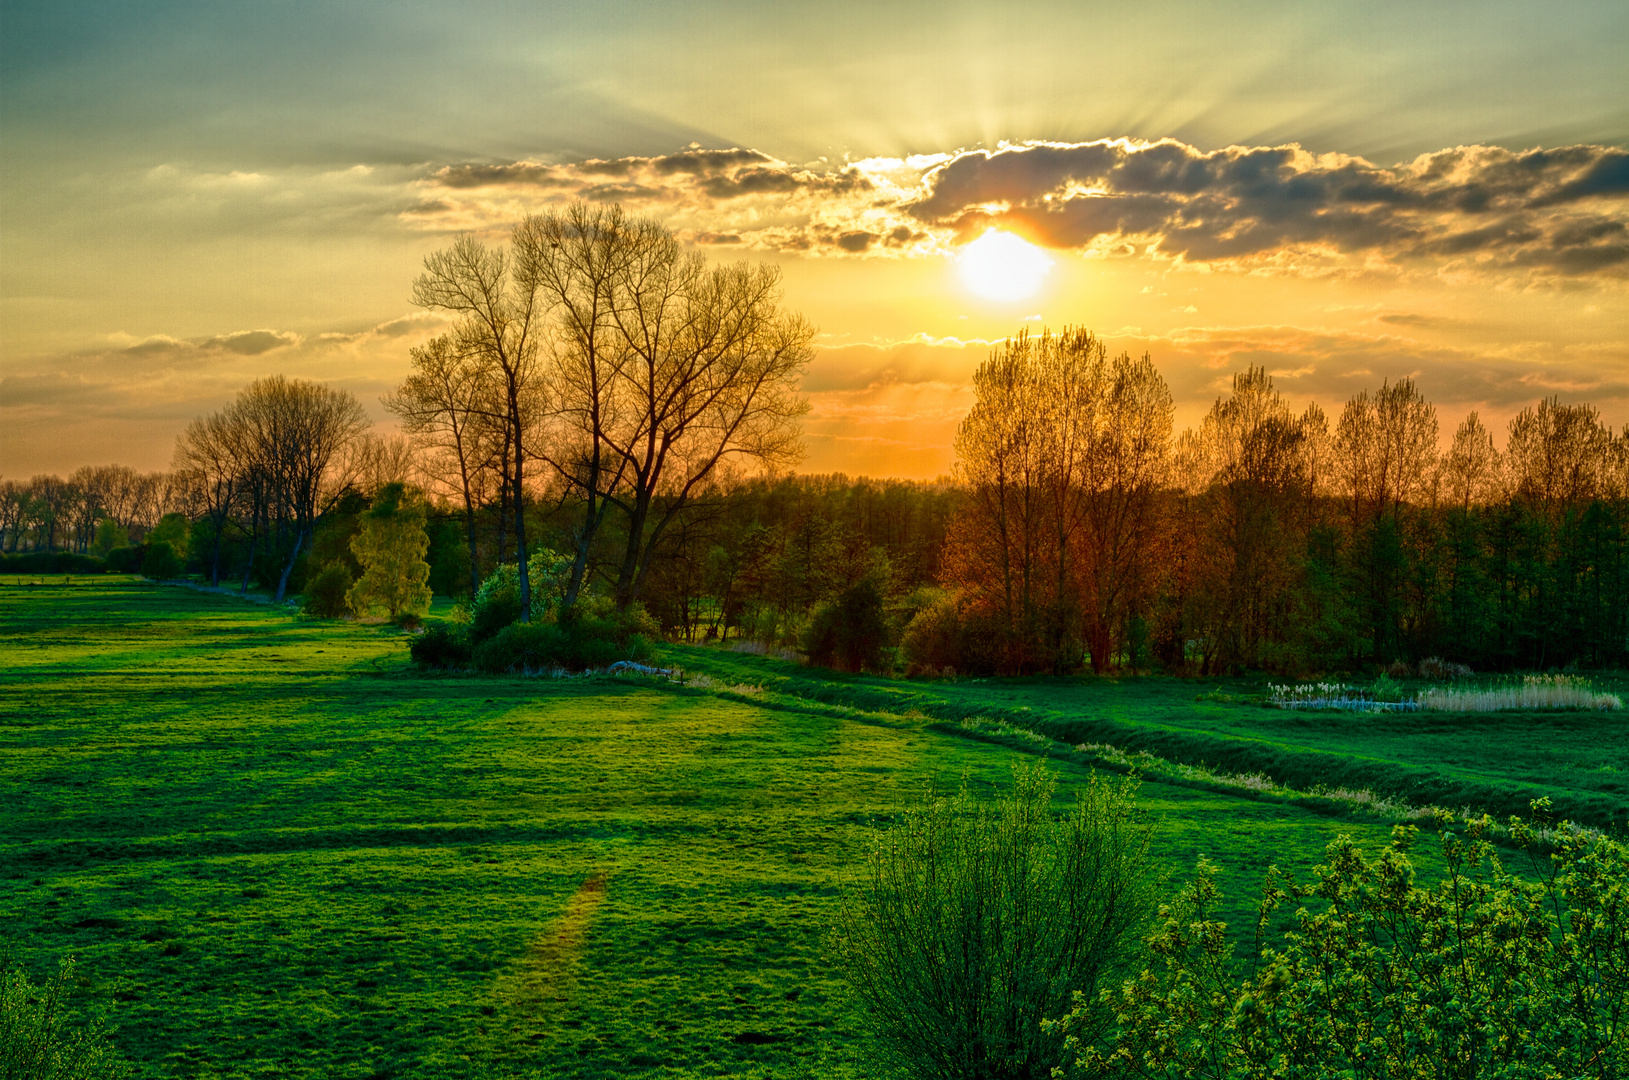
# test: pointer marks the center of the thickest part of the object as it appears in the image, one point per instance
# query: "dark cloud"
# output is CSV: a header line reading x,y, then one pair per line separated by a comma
x,y
718,238
856,241
252,342
698,162
159,345
1561,210
521,172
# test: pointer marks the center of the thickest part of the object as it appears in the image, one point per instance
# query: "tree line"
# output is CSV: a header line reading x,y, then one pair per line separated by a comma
x,y
1267,538
610,406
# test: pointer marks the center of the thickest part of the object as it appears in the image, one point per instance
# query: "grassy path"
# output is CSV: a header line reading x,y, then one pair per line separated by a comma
x,y
277,851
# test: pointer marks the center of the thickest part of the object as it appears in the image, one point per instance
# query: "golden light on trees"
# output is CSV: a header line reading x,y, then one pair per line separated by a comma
x,y
1001,267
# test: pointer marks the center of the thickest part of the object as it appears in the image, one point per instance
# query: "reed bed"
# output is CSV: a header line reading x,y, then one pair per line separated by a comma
x,y
1534,692
1333,696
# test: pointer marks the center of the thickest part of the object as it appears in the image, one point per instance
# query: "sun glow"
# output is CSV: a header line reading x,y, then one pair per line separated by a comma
x,y
999,266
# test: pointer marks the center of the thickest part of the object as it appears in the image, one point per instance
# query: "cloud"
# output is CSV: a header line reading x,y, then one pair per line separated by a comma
x,y
251,342
1559,213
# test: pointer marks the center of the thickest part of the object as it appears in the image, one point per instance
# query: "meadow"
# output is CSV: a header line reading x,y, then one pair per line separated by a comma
x,y
276,849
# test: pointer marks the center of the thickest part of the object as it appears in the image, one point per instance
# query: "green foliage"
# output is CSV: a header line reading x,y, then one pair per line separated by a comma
x,y
497,602
390,546
160,562
441,647
933,637
173,529
326,594
1387,689
54,562
577,643
976,921
39,1039
109,535
1484,975
851,632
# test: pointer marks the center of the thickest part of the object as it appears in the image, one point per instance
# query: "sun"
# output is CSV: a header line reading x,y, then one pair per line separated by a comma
x,y
999,266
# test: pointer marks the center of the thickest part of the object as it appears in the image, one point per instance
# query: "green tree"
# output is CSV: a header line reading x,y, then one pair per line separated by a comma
x,y
109,535
173,529
391,547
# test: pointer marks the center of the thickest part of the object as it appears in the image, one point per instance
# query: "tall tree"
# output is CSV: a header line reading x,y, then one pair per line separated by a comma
x,y
502,320
448,403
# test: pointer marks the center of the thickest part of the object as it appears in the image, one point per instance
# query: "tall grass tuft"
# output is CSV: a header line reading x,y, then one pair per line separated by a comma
x,y
1534,692
977,921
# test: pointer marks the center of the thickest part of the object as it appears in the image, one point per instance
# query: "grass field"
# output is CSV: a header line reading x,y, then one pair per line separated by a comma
x,y
1497,762
278,851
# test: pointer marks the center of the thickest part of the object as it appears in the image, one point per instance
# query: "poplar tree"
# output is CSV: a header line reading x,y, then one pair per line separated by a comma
x,y
391,547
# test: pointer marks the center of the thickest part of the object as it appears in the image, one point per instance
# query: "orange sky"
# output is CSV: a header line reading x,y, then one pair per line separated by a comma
x,y
192,199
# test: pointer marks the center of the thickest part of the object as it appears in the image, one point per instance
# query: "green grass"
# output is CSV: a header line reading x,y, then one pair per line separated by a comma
x,y
277,851
1496,762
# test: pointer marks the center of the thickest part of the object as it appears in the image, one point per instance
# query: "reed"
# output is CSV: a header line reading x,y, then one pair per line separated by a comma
x,y
1534,692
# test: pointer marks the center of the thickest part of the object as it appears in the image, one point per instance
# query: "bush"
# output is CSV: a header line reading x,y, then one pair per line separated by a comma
x,y
126,560
37,1040
578,643
1484,974
51,562
974,923
325,594
161,563
1437,669
441,647
851,633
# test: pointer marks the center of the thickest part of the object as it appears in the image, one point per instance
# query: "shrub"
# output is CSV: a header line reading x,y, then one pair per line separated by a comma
x,y
496,603
1399,669
850,633
160,563
37,1040
578,643
441,647
325,594
52,562
1437,669
975,922
1484,974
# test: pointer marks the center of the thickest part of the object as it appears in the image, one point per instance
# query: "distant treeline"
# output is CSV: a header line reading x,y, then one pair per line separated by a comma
x,y
1078,530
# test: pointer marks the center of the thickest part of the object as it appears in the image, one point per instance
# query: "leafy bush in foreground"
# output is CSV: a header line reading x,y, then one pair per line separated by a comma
x,y
1485,975
976,922
37,1040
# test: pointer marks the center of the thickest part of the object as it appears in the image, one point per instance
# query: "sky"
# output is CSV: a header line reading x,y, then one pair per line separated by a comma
x,y
195,195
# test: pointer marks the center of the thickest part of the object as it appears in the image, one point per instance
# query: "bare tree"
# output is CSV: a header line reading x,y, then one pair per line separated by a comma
x,y
503,321
1471,471
212,459
295,433
1559,455
582,254
449,405
711,378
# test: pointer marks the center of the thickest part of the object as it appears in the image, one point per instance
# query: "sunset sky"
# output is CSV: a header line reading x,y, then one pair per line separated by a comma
x,y
195,195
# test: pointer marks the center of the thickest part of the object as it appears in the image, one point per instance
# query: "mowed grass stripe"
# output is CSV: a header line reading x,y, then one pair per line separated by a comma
x,y
349,876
